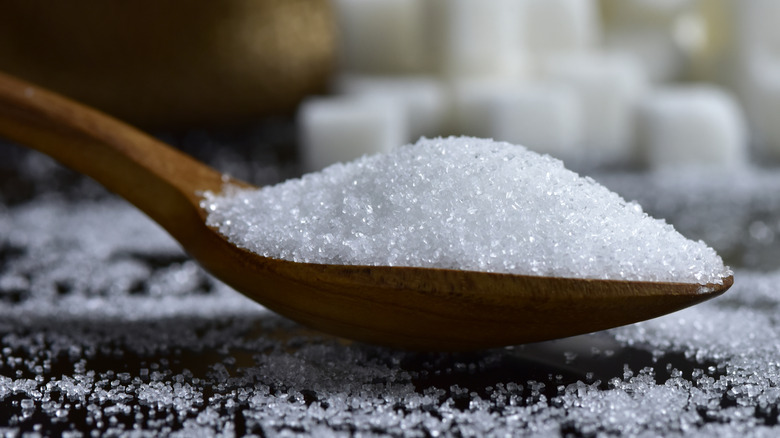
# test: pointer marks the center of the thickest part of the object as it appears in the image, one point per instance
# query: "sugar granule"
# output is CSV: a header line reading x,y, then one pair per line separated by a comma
x,y
461,203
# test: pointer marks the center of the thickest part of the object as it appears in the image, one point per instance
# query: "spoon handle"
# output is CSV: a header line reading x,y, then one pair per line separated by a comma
x,y
156,178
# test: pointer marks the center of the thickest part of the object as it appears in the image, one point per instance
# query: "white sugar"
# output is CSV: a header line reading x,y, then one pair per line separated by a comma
x,y
461,203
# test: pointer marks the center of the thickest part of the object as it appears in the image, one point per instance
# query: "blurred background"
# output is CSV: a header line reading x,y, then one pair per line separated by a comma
x,y
107,327
598,83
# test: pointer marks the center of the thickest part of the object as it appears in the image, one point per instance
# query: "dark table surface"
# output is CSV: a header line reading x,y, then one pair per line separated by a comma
x,y
107,327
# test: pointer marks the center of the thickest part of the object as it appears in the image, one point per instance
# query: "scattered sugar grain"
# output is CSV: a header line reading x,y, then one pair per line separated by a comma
x,y
461,203
726,350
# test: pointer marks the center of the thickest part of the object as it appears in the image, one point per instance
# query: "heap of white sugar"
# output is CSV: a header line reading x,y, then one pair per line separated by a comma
x,y
461,203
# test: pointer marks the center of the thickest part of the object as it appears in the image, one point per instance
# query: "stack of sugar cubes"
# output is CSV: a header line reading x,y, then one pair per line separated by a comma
x,y
652,83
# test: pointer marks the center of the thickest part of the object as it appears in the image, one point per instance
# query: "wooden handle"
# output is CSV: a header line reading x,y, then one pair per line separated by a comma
x,y
153,176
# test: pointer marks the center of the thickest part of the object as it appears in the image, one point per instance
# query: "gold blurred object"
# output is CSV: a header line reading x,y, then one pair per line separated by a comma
x,y
171,64
717,60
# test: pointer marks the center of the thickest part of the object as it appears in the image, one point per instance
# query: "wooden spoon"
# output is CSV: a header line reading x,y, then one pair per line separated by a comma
x,y
419,308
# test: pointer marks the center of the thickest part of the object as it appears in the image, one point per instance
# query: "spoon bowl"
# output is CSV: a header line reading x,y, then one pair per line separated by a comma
x,y
405,307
